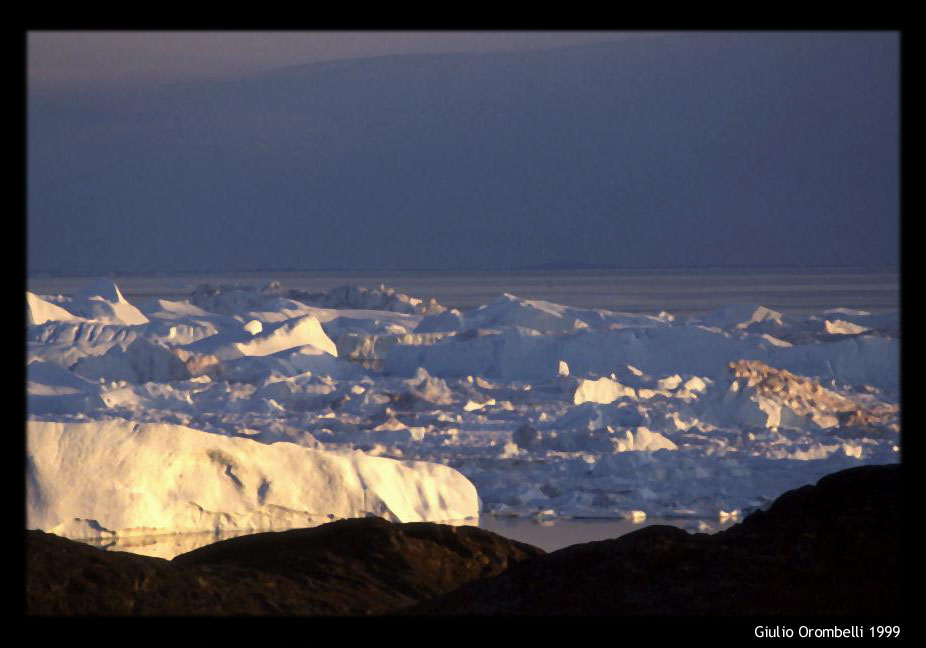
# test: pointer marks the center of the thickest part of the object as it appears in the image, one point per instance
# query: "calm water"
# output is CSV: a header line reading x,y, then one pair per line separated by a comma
x,y
549,535
681,292
555,534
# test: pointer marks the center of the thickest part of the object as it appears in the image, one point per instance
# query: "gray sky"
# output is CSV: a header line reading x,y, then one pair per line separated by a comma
x,y
69,59
679,150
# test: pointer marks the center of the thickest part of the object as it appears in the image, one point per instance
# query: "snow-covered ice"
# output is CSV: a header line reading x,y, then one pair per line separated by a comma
x,y
115,477
261,409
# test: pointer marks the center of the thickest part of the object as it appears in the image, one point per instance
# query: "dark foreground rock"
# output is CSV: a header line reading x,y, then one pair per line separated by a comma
x,y
350,567
829,549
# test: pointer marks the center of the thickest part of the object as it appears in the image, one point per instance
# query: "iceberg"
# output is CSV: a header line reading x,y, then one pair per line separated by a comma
x,y
243,409
122,478
39,311
103,301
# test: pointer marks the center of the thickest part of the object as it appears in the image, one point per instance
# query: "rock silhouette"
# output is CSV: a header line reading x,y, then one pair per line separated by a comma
x,y
350,567
828,549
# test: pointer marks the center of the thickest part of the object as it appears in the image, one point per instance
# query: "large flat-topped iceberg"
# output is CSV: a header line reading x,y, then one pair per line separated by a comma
x,y
518,354
115,477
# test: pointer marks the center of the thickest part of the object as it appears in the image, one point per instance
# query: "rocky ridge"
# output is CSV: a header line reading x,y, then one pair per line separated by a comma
x,y
832,549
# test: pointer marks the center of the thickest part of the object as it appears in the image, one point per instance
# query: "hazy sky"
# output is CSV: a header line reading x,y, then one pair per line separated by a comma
x,y
485,150
68,59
